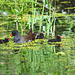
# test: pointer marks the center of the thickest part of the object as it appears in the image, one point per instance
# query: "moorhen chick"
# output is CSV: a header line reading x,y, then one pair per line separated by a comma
x,y
4,41
22,39
58,39
41,36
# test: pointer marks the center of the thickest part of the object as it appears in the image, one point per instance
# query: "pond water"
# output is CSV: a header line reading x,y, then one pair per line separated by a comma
x,y
37,57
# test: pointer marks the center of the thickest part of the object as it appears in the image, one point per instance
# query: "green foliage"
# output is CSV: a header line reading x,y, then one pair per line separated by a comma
x,y
36,57
25,14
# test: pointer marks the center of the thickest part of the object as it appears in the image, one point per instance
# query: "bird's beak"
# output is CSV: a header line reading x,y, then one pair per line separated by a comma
x,y
43,33
60,36
8,39
10,35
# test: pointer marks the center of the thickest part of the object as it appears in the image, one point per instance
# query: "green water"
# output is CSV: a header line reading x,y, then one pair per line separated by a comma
x,y
37,57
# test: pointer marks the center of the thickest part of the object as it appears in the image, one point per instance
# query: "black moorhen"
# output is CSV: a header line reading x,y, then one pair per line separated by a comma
x,y
27,38
58,39
41,36
4,41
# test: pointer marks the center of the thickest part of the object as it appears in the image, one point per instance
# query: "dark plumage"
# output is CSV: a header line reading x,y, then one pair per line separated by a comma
x,y
58,39
4,41
41,36
22,39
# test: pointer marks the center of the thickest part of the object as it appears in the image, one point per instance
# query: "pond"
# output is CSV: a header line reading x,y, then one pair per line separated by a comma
x,y
37,57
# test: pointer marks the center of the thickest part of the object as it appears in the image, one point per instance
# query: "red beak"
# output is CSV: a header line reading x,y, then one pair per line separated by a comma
x,y
8,39
60,36
10,35
43,33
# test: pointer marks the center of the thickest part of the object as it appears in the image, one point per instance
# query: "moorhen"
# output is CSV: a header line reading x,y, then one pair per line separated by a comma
x,y
4,41
41,36
58,39
22,39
